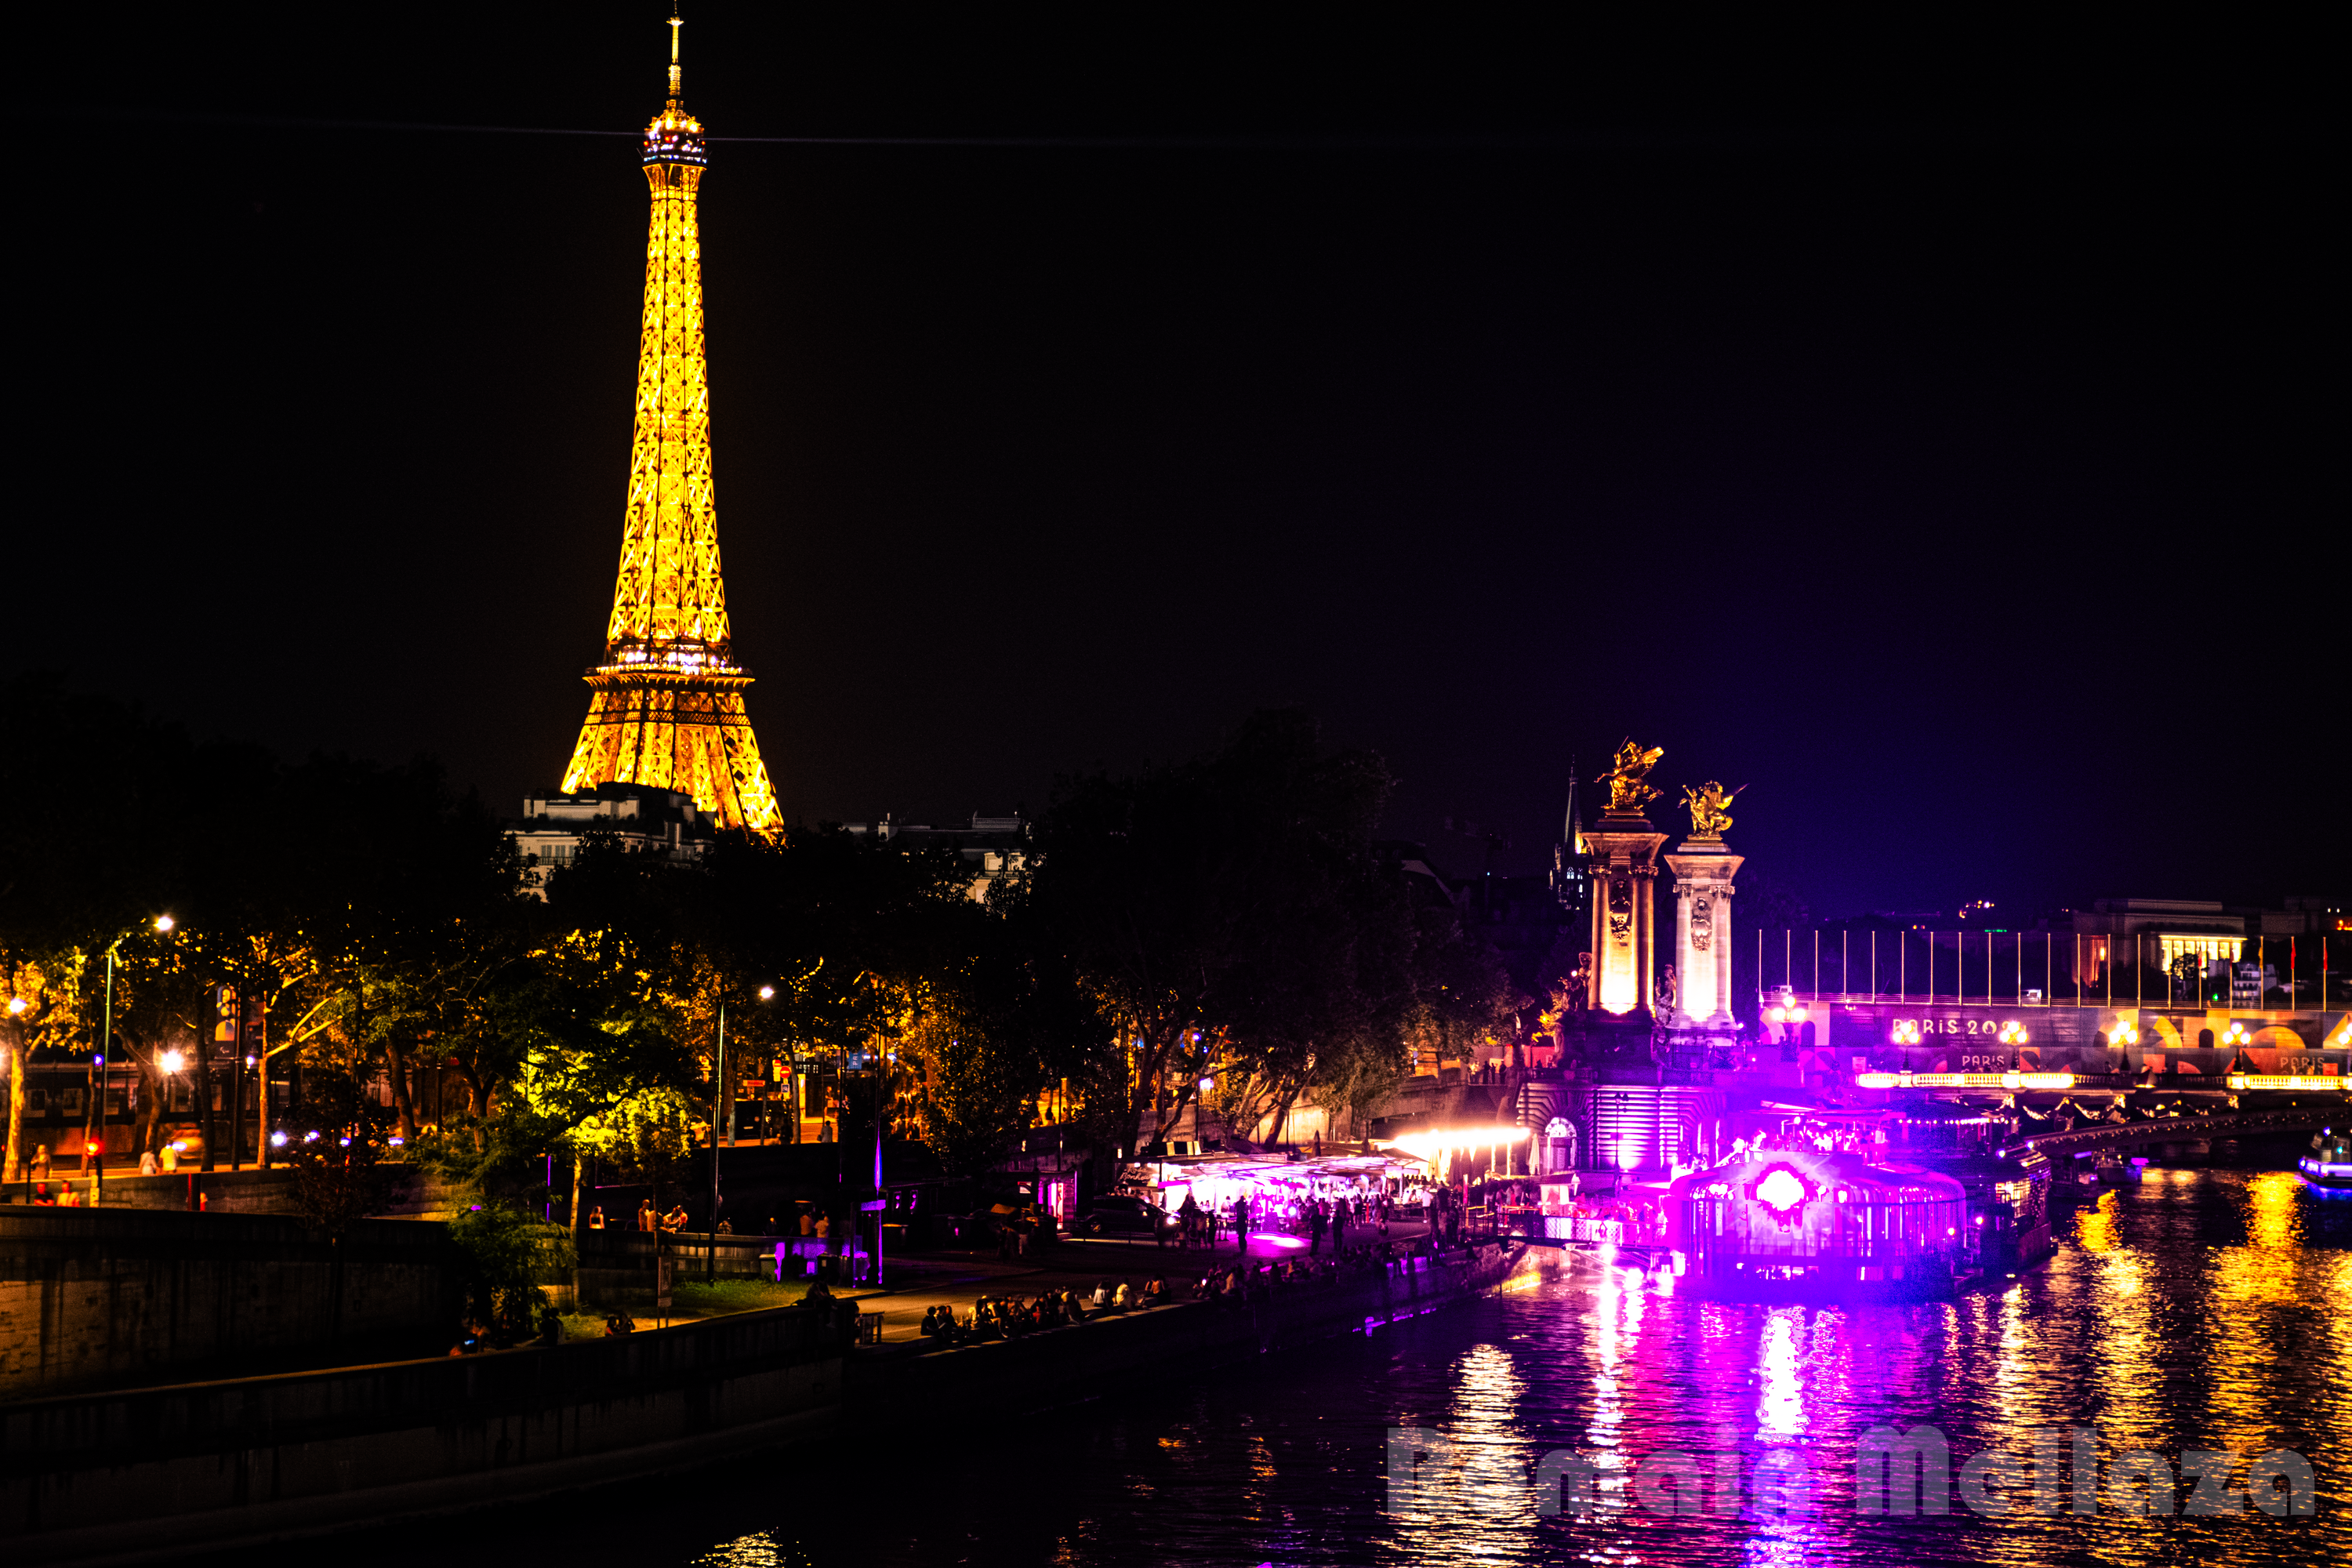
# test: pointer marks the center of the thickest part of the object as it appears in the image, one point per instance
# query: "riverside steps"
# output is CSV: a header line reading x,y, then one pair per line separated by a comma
x,y
160,1473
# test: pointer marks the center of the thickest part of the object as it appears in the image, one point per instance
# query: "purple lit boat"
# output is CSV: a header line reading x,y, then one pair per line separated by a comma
x,y
1798,1224
2330,1164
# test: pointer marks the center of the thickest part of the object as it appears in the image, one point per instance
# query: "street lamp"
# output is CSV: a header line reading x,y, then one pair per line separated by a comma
x,y
722,1105
1790,1017
163,924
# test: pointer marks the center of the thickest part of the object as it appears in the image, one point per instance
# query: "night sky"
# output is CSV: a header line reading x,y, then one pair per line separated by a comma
x,y
1936,435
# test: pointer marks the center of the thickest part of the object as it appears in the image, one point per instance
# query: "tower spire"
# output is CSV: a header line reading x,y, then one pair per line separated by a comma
x,y
665,708
677,94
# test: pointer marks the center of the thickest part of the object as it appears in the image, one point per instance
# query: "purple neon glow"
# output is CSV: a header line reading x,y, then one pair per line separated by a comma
x,y
1780,1190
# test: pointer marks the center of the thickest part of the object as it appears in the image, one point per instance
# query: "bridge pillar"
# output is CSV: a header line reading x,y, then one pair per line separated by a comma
x,y
1703,870
1624,851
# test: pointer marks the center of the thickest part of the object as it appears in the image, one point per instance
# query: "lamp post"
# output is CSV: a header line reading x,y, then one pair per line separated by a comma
x,y
722,1108
1790,1013
12,1139
717,1093
163,925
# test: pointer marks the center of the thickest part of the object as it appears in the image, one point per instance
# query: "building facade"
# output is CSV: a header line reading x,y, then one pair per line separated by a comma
x,y
644,820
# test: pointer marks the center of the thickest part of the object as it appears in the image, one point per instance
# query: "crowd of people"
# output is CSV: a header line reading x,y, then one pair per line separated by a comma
x,y
1245,1280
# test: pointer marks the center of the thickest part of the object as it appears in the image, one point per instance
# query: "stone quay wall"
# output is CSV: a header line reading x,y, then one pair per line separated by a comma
x,y
410,1193
159,1473
99,1297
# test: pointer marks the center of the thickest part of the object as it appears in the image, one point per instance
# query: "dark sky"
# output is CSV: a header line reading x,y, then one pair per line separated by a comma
x,y
1929,433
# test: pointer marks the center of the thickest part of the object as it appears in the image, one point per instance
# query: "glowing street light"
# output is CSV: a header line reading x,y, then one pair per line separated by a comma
x,y
170,1062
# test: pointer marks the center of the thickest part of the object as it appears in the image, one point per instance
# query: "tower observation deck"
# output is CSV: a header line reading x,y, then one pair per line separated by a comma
x,y
666,706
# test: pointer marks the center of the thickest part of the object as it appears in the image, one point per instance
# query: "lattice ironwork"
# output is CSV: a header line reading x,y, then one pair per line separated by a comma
x,y
667,704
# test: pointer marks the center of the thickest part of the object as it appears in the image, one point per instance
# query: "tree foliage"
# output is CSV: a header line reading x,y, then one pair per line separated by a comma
x,y
1232,919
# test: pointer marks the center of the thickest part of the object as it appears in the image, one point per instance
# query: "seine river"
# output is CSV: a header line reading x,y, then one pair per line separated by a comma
x,y
2208,1309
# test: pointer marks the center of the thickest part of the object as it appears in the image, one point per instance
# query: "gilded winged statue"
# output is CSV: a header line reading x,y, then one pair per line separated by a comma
x,y
1709,805
1627,792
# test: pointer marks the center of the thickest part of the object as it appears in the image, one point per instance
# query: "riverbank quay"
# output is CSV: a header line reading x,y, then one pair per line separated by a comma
x,y
959,1277
159,1473
1081,1361
409,1193
112,1297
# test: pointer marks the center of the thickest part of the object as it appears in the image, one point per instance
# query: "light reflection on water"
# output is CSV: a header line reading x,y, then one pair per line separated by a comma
x,y
2202,1309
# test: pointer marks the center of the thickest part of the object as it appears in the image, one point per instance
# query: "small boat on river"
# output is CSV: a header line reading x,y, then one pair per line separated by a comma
x,y
2329,1164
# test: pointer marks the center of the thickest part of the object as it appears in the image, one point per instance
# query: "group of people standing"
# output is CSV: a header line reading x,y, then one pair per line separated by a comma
x,y
650,1220
1318,1218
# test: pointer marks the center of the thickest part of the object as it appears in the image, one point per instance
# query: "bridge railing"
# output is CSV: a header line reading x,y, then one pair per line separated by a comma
x,y
2309,973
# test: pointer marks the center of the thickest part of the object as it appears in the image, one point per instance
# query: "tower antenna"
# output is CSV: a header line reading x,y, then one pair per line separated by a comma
x,y
676,22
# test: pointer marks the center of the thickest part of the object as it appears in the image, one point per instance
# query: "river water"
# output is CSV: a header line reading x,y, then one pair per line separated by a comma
x,y
2208,1309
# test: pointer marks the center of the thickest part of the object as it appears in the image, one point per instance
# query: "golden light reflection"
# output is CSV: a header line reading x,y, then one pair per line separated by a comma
x,y
2274,1210
2094,1229
2269,1342
1459,1504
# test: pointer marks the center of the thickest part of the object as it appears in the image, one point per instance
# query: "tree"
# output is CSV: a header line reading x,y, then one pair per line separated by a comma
x,y
337,1140
1234,912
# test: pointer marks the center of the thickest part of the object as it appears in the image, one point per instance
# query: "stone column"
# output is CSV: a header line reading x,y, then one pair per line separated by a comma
x,y
1703,870
1622,854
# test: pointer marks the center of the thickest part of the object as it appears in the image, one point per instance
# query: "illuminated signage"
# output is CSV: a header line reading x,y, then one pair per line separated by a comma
x,y
2011,1080
1908,1031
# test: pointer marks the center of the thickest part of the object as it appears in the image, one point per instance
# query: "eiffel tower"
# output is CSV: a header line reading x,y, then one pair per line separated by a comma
x,y
667,704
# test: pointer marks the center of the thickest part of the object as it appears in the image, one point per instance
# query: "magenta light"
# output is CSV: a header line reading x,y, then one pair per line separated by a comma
x,y
1781,1190
1784,1191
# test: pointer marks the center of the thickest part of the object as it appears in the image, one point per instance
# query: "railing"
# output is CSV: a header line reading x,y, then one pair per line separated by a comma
x,y
2050,969
2172,1129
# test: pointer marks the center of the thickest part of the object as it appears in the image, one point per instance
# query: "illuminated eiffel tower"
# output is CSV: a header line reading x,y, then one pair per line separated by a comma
x,y
667,704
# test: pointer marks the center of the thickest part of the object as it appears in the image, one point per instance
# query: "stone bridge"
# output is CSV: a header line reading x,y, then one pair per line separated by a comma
x,y
2185,1129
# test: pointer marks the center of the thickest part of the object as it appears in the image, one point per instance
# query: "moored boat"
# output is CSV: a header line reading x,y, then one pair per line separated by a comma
x,y
2328,1162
